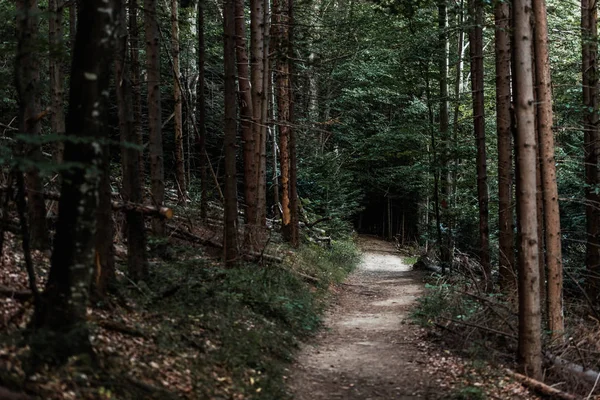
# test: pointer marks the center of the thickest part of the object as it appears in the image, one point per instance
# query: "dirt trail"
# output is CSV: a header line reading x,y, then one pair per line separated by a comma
x,y
369,349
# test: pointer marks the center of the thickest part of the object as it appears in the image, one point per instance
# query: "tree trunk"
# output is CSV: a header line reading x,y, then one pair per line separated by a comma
x,y
72,25
249,139
294,229
589,19
157,173
136,85
61,326
258,53
503,125
201,138
550,191
55,33
477,83
178,110
281,43
530,350
230,246
27,79
137,264
444,45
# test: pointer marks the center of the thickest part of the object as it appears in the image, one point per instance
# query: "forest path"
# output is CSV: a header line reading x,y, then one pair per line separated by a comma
x,y
368,349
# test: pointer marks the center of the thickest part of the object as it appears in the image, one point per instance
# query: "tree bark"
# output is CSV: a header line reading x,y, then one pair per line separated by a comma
x,y
157,173
477,83
294,235
27,77
62,321
554,293
281,39
249,139
136,85
57,90
444,45
137,263
201,106
258,54
591,126
178,110
530,350
230,245
503,125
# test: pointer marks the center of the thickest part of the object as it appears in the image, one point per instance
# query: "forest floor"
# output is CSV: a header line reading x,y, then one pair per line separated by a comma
x,y
370,349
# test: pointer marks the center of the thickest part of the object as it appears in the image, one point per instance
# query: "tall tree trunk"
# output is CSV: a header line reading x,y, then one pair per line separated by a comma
x,y
294,230
506,254
550,190
230,245
57,90
444,45
281,41
258,53
589,20
137,264
201,107
72,25
27,75
458,88
477,83
178,110
62,322
530,347
246,105
136,85
157,173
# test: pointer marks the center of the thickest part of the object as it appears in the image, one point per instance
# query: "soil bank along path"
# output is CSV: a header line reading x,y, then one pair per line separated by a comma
x,y
368,348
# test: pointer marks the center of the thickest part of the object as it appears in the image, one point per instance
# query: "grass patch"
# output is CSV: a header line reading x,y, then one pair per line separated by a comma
x,y
245,321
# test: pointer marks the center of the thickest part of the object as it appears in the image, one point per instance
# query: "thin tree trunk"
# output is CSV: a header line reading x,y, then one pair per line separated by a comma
x,y
72,25
257,56
249,139
589,19
136,86
62,322
201,121
294,206
230,246
530,347
477,83
281,37
57,90
27,76
445,249
503,124
178,110
157,173
551,210
137,264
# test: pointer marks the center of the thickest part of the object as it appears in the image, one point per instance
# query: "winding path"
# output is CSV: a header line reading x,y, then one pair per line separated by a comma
x,y
368,349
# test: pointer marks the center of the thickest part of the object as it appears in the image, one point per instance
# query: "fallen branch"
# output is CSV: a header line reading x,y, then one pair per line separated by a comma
x,y
155,392
21,295
587,375
540,387
121,328
484,328
163,212
311,224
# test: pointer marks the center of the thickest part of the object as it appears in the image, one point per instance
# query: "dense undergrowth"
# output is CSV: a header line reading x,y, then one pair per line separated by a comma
x,y
195,330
